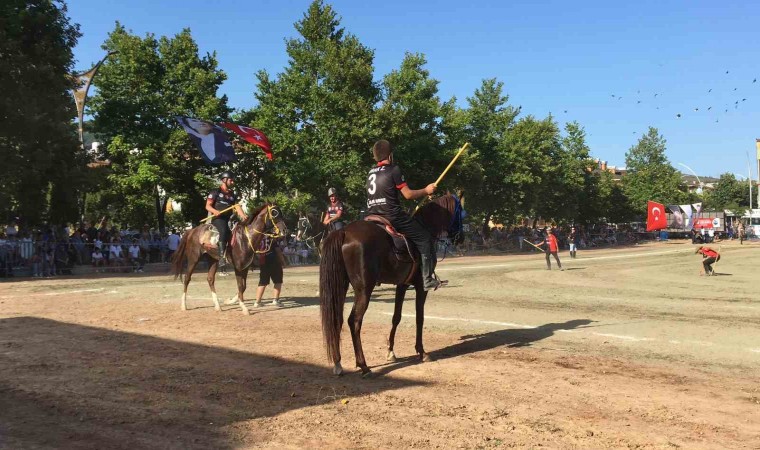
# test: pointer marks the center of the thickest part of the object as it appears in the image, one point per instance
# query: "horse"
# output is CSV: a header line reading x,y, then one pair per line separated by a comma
x,y
243,250
362,254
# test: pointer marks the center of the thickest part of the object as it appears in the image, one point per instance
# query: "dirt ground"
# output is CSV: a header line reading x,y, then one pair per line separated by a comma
x,y
626,348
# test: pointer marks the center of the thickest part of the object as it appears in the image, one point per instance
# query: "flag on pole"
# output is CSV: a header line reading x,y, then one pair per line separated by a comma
x,y
687,209
697,208
210,140
83,81
252,135
677,222
656,219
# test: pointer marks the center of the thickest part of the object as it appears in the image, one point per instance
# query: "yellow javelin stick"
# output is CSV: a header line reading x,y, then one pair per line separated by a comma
x,y
529,242
438,181
220,212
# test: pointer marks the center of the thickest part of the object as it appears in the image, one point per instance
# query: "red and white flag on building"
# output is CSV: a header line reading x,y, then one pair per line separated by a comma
x,y
656,219
252,135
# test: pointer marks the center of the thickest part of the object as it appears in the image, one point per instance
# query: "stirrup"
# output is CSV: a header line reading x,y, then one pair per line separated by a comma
x,y
442,282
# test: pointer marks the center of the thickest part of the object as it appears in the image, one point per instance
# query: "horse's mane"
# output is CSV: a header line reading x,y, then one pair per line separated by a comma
x,y
252,216
437,214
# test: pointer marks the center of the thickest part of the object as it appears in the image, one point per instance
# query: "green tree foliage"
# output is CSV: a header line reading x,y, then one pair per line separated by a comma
x,y
650,176
729,193
41,157
319,112
140,91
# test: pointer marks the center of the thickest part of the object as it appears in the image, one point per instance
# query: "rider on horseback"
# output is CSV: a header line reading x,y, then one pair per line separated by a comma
x,y
384,182
334,212
218,200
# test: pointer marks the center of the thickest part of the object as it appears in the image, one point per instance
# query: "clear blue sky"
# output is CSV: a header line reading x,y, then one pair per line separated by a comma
x,y
553,56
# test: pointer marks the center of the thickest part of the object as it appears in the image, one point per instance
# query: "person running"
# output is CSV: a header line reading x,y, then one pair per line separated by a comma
x,y
551,247
332,220
709,257
384,183
219,200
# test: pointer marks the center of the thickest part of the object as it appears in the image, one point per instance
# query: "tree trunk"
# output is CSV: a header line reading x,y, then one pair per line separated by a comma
x,y
486,231
161,211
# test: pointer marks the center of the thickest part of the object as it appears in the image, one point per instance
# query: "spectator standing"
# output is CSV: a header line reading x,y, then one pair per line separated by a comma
x,y
48,266
172,242
36,261
573,241
270,271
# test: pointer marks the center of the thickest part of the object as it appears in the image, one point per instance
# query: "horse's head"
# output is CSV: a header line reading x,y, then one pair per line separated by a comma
x,y
268,219
444,215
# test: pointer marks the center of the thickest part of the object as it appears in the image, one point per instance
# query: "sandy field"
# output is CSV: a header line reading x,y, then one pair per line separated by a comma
x,y
626,348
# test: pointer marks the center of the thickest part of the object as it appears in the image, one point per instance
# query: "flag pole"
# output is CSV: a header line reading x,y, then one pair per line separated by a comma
x,y
220,212
440,178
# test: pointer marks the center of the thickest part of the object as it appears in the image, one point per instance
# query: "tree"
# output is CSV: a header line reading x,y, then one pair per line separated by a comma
x,y
729,193
650,176
319,113
140,91
41,158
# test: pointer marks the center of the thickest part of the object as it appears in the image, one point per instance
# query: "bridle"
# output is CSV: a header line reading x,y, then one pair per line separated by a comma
x,y
271,214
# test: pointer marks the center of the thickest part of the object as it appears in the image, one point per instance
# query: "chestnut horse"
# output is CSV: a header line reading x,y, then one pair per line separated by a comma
x,y
362,254
242,250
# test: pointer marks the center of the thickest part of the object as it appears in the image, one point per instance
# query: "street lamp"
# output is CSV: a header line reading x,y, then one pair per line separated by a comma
x,y
701,185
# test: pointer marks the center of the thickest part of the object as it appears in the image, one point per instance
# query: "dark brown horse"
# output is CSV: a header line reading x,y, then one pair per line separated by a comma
x,y
362,254
242,252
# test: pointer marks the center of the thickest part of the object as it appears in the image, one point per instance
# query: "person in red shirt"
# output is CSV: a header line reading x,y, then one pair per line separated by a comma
x,y
551,248
709,257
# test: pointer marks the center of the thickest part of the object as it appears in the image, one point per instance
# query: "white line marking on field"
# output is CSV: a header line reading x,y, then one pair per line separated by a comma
x,y
592,258
623,337
72,292
754,350
457,319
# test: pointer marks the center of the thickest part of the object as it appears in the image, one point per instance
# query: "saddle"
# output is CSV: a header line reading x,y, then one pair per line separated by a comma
x,y
402,248
209,237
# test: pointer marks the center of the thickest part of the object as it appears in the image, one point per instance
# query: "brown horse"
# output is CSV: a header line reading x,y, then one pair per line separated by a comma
x,y
362,254
242,251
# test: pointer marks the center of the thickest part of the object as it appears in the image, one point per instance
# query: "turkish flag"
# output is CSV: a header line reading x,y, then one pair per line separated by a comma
x,y
656,216
252,135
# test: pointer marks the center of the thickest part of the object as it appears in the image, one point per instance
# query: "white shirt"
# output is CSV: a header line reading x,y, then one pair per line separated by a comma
x,y
97,256
11,231
172,242
115,251
134,251
98,244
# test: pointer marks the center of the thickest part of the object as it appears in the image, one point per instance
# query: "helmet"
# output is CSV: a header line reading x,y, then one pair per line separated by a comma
x,y
227,174
381,150
331,191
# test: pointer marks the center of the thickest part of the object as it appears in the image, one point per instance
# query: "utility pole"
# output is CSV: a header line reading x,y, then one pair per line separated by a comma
x,y
757,144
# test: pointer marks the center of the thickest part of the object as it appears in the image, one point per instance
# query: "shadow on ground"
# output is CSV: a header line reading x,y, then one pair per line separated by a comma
x,y
71,386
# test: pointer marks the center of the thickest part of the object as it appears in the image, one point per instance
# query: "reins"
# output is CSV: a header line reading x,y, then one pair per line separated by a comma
x,y
272,236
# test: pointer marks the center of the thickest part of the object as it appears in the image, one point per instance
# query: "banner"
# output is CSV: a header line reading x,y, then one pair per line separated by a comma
x,y
677,221
83,81
252,135
656,216
706,222
687,210
210,139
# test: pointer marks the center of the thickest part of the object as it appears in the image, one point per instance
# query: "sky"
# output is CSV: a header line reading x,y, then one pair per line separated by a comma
x,y
615,68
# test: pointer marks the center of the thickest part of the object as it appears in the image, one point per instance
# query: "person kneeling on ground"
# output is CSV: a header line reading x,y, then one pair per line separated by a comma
x,y
709,257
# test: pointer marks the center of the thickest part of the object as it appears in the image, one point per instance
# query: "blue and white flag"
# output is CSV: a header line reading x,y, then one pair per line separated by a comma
x,y
210,139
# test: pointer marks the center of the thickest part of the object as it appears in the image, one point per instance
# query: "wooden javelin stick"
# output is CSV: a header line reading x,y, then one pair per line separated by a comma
x,y
529,242
220,212
438,181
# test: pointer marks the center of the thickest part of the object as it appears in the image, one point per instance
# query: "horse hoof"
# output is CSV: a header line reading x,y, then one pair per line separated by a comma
x,y
338,370
368,375
426,358
391,357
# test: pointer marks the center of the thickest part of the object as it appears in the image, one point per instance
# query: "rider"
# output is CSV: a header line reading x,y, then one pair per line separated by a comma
x,y
384,183
334,212
218,200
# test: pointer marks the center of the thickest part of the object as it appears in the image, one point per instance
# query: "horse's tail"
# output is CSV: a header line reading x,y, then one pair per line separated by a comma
x,y
179,256
333,285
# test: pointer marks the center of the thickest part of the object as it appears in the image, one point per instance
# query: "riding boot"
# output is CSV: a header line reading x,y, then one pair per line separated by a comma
x,y
222,256
430,282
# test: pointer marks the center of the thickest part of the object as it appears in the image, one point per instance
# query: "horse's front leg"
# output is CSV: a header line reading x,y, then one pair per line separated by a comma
x,y
400,294
420,306
242,277
211,277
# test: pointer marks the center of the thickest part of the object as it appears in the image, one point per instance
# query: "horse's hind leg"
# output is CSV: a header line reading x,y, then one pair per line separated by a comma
x,y
361,302
191,263
400,294
211,277
420,307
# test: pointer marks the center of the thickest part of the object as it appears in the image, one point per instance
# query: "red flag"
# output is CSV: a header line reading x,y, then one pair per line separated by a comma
x,y
656,216
252,135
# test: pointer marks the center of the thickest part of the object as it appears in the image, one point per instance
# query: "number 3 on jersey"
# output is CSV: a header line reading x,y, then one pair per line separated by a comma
x,y
372,186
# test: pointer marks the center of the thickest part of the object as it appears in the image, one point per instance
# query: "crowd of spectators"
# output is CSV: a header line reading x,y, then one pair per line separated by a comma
x,y
54,250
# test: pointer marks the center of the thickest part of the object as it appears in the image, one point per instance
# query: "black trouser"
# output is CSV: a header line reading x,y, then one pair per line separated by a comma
x,y
224,232
271,270
415,232
708,262
335,226
549,263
